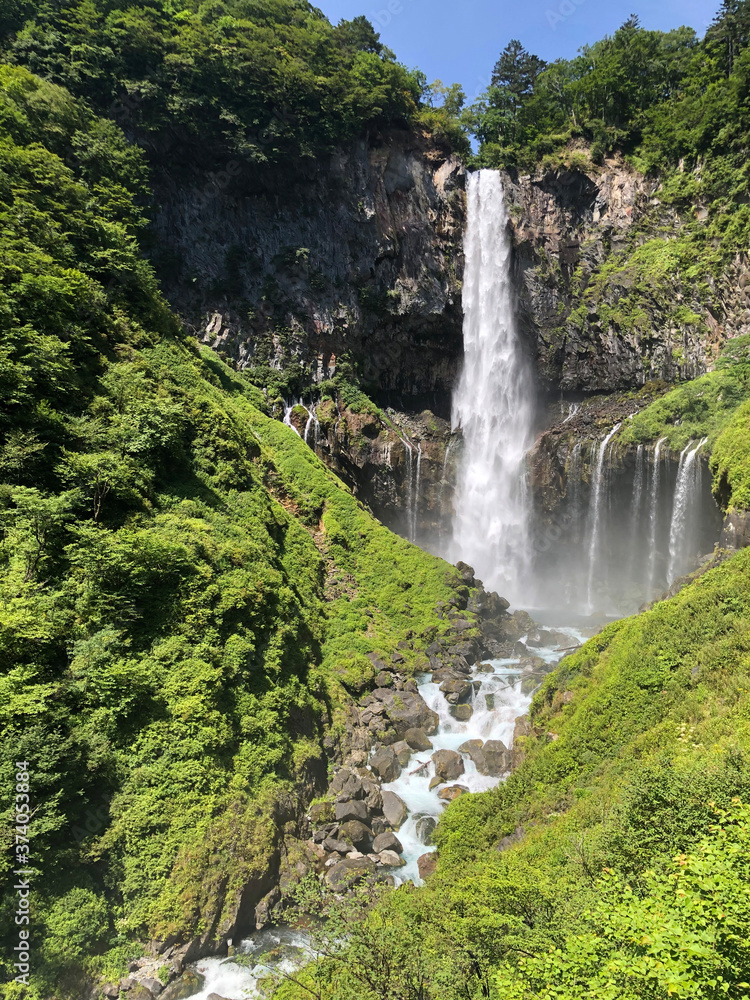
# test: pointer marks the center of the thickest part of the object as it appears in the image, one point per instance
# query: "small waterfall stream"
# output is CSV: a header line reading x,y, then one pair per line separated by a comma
x,y
596,513
684,499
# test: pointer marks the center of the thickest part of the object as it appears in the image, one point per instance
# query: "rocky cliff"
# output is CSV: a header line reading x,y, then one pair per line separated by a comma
x,y
607,295
358,255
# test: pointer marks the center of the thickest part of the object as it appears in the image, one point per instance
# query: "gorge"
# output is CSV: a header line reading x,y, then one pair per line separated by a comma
x,y
374,511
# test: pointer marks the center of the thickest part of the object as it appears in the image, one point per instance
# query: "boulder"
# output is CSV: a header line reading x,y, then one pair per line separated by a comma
x,y
321,812
473,749
111,990
452,792
394,809
449,765
391,860
406,710
140,992
425,828
215,996
347,784
334,846
354,809
153,986
344,874
434,782
402,751
359,834
186,986
512,839
418,739
427,864
457,692
461,713
265,906
497,758
385,763
387,842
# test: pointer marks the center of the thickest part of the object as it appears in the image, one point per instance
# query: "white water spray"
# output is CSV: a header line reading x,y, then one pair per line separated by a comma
x,y
492,404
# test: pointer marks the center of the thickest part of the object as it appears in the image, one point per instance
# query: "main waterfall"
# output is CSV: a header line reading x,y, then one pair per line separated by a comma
x,y
493,403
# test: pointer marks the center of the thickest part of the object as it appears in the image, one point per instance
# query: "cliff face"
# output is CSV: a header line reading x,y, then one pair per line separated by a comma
x,y
357,255
604,298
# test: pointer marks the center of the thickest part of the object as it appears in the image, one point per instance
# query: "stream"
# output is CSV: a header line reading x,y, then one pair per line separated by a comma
x,y
500,697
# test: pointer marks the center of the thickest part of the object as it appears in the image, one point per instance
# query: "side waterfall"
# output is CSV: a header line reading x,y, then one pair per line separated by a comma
x,y
654,517
685,490
596,513
492,404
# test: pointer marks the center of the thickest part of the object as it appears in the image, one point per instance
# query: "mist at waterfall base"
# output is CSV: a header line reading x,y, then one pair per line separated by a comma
x,y
632,520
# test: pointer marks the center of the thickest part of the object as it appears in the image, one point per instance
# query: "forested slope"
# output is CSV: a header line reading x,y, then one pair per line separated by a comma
x,y
185,588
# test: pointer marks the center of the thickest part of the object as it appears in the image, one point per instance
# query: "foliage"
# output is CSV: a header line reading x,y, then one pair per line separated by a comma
x,y
254,81
172,637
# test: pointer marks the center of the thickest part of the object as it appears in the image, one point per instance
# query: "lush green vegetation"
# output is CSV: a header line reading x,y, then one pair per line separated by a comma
x,y
186,592
252,81
632,878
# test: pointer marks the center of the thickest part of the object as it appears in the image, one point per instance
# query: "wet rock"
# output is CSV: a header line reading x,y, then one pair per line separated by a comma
x,y
418,739
406,710
449,765
215,996
390,859
434,782
452,792
497,757
385,763
186,986
486,668
358,833
458,691
427,864
461,713
348,784
394,809
403,752
344,874
387,842
425,828
153,986
356,809
334,846
473,749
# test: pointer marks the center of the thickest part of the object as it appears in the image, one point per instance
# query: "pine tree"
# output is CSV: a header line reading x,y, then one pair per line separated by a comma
x,y
730,31
516,72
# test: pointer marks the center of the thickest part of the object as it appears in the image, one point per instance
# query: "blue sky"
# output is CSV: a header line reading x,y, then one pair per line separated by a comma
x,y
460,42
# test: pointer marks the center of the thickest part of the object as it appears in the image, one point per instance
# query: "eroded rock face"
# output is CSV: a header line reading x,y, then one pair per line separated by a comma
x,y
638,324
359,254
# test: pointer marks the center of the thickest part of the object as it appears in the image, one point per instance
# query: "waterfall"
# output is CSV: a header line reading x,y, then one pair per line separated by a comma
x,y
596,512
415,494
492,404
636,509
654,518
684,494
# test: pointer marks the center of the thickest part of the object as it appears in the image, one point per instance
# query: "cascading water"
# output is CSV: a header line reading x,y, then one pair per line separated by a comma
x,y
492,404
654,517
684,497
596,513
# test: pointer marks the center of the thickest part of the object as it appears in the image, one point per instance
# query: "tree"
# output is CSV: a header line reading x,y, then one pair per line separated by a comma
x,y
515,74
730,31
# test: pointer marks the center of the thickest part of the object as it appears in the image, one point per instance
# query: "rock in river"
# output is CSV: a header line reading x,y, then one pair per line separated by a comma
x,y
394,809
